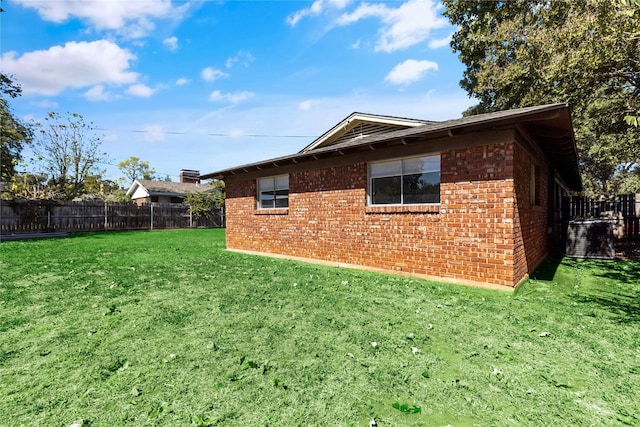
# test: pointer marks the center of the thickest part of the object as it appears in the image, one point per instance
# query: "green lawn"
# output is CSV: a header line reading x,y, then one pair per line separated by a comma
x,y
168,328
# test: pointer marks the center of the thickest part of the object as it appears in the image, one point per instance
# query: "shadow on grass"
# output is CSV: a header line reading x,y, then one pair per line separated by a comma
x,y
102,234
547,270
612,285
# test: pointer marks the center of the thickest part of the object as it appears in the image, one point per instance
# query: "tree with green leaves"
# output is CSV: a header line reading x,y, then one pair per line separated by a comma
x,y
28,186
14,134
68,152
203,203
584,52
133,168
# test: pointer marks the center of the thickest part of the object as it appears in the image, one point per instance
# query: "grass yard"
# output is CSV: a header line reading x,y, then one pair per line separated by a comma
x,y
168,328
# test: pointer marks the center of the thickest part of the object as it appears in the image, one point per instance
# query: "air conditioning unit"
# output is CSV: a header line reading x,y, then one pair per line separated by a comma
x,y
590,238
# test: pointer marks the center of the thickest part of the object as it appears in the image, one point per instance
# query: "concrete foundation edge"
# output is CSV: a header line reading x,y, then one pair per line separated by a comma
x,y
470,283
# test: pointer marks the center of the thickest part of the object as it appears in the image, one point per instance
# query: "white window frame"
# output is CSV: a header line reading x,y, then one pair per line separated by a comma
x,y
403,166
277,183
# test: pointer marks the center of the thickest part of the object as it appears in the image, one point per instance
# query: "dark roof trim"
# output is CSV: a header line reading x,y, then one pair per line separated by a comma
x,y
562,143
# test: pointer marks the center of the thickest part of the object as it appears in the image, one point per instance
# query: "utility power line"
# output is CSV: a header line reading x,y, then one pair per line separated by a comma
x,y
225,135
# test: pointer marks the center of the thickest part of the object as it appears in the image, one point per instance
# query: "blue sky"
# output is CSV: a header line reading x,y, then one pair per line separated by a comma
x,y
208,85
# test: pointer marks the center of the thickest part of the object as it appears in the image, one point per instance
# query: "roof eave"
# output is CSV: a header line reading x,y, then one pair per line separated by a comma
x,y
166,193
430,131
322,153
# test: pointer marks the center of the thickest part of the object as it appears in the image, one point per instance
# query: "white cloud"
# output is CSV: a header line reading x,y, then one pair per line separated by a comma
x,y
74,65
137,30
308,104
339,4
243,58
437,44
237,133
140,90
404,26
210,74
171,43
410,71
97,93
182,81
316,8
47,104
131,17
154,133
233,98
365,10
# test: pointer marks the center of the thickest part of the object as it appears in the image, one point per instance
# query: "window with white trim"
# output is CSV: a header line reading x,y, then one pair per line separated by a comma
x,y
273,192
408,181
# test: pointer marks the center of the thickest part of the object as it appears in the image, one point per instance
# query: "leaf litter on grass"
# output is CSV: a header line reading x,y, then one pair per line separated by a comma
x,y
252,349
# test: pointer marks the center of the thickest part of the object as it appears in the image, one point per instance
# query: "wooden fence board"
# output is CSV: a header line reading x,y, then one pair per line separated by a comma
x,y
626,205
27,216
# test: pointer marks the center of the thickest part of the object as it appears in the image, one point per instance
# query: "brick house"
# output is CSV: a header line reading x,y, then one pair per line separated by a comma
x,y
476,200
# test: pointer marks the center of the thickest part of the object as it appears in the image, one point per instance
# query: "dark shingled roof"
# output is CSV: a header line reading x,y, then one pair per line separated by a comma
x,y
171,188
549,126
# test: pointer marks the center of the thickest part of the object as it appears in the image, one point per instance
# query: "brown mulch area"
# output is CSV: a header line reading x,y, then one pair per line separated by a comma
x,y
627,250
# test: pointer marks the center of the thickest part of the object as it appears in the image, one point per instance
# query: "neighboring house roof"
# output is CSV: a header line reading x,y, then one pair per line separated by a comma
x,y
359,125
549,126
164,188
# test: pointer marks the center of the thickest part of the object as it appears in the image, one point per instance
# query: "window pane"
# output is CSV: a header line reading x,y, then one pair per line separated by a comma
x,y
412,166
431,164
421,188
267,199
273,192
265,184
282,182
282,198
421,164
407,181
385,190
386,169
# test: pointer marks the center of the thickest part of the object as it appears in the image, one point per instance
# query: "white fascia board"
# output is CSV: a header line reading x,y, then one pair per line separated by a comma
x,y
134,186
139,193
356,118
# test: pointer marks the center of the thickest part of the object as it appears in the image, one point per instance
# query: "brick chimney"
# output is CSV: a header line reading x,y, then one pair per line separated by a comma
x,y
189,176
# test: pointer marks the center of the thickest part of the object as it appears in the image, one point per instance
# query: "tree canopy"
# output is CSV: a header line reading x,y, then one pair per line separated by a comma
x,y
202,203
14,134
69,153
584,52
134,168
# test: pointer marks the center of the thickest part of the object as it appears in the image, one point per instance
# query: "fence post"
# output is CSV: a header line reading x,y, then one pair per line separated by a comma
x,y
190,217
106,220
152,216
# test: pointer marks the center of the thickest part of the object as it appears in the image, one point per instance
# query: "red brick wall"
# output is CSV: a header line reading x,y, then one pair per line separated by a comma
x,y
470,237
477,198
531,240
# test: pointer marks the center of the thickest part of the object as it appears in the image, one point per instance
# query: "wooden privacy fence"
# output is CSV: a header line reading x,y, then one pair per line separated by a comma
x,y
625,206
31,216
